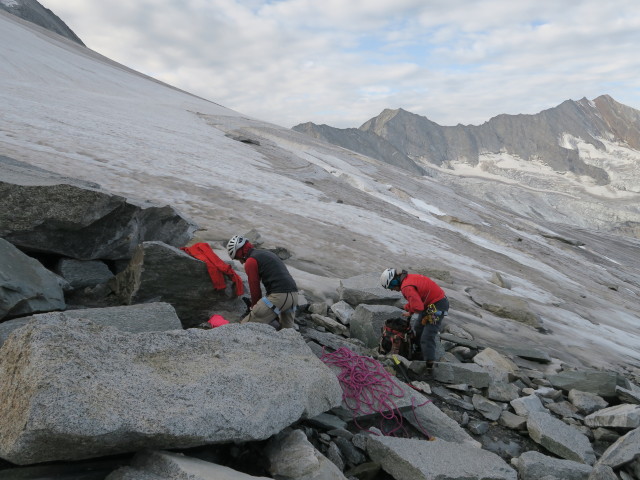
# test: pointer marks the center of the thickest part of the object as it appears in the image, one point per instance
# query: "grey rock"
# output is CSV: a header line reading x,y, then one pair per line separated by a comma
x,y
465,342
629,395
319,308
109,392
334,455
353,456
602,472
334,342
420,412
366,289
89,470
564,409
364,471
462,353
327,421
343,311
83,273
559,438
620,416
330,324
411,459
79,220
586,402
461,373
523,406
593,381
503,392
367,322
494,359
160,272
623,450
453,398
534,466
156,464
478,427
146,317
293,457
605,435
25,285
527,353
489,409
512,421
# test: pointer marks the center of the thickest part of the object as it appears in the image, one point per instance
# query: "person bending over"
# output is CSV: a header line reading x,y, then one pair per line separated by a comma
x,y
263,266
424,298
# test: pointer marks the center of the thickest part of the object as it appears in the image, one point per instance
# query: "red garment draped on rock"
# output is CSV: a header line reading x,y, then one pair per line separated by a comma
x,y
215,266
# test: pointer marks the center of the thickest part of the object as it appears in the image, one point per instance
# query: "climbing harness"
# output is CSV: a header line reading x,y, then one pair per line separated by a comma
x,y
369,389
275,309
430,315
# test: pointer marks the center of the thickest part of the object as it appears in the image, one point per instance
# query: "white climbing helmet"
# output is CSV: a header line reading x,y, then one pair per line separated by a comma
x,y
235,244
387,276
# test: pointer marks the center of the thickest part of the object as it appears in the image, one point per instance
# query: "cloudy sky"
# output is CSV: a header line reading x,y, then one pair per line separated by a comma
x,y
342,62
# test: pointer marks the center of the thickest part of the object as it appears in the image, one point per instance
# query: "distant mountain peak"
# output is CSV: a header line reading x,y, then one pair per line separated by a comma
x,y
535,137
32,11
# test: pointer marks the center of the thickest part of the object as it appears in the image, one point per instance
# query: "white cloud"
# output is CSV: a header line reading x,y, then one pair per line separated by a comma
x,y
341,63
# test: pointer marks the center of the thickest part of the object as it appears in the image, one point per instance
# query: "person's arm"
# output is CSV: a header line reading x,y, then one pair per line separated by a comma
x,y
414,302
251,268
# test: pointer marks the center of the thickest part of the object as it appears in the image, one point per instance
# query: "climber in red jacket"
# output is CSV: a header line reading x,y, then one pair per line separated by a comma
x,y
426,299
263,266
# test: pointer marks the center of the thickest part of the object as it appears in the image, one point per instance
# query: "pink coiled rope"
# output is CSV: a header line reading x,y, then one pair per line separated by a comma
x,y
367,388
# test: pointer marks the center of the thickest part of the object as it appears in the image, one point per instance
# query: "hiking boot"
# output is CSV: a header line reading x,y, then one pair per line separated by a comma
x,y
430,367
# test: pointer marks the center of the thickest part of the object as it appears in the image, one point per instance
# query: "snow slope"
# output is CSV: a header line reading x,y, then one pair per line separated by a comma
x,y
67,109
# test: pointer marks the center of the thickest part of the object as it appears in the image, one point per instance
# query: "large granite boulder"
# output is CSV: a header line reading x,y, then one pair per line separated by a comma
x,y
146,317
413,459
367,321
160,272
534,465
617,416
559,438
72,389
25,285
593,381
45,212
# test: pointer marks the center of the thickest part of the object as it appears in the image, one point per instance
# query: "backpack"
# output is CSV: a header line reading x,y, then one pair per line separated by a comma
x,y
396,337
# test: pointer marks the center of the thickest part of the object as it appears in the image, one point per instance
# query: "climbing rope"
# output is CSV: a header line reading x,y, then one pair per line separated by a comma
x,y
367,388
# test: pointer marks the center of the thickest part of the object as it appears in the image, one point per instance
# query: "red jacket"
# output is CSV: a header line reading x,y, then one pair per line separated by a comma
x,y
420,292
215,266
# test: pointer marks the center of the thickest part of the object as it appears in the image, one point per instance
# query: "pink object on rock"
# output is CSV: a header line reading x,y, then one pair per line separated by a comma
x,y
217,321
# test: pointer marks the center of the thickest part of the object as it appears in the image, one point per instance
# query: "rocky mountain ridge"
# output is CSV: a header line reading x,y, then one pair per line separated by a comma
x,y
32,11
587,147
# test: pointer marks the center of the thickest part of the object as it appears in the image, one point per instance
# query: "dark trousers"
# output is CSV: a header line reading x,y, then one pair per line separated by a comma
x,y
427,334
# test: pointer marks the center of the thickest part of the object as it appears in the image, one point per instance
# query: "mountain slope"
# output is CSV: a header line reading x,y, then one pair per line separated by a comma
x,y
339,213
587,149
32,11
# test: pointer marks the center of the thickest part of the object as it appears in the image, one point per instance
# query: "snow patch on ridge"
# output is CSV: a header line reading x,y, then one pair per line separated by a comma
x,y
621,162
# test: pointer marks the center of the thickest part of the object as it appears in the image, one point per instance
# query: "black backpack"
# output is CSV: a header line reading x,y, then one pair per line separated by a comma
x,y
396,337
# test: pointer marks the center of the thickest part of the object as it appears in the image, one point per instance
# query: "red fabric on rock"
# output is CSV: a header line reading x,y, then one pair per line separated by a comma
x,y
216,267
